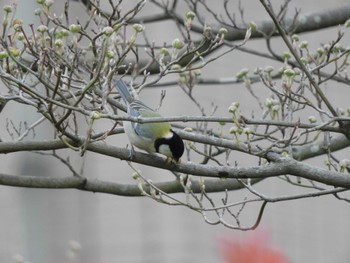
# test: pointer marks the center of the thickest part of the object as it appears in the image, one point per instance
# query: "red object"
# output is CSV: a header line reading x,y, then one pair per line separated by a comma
x,y
253,248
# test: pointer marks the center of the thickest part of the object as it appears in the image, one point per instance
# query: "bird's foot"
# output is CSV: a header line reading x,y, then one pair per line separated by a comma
x,y
171,161
132,153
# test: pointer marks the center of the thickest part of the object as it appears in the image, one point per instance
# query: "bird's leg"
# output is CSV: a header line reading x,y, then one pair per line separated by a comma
x,y
171,161
132,152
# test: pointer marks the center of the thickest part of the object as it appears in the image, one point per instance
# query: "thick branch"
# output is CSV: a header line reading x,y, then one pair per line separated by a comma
x,y
98,186
306,22
279,165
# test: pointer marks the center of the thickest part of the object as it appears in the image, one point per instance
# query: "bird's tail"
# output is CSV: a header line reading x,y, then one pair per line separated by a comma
x,y
124,91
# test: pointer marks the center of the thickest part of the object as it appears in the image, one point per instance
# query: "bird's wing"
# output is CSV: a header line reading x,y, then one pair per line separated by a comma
x,y
151,130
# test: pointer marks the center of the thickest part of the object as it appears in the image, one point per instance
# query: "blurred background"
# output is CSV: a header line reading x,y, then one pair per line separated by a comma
x,y
75,226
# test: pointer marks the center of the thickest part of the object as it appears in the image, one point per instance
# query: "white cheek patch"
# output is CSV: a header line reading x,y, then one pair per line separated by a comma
x,y
169,135
165,150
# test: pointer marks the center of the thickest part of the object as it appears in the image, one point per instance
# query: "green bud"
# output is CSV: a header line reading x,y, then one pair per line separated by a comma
x,y
37,12
176,67
285,154
257,70
164,51
190,15
3,55
40,2
289,73
223,31
253,26
286,55
247,131
233,107
320,51
63,33
75,28
177,44
304,60
312,119
138,28
107,31
347,23
7,8
344,164
17,24
337,47
42,29
58,43
15,52
243,73
268,69
135,176
304,44
110,54
20,36
49,3
234,130
295,38
95,115
275,108
268,103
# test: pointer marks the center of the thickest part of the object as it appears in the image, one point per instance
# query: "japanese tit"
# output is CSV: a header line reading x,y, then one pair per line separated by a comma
x,y
152,137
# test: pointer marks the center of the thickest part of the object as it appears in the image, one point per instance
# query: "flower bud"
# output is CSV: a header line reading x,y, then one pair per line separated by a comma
x,y
75,28
63,33
243,73
37,12
164,51
7,8
312,119
107,31
3,55
233,130
138,27
42,29
247,131
347,23
344,164
95,115
176,67
49,3
304,60
58,43
15,52
17,24
268,69
223,31
110,54
304,44
253,26
295,38
177,43
289,73
286,55
257,70
190,15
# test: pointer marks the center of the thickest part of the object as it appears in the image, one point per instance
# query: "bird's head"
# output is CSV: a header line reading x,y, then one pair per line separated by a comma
x,y
171,146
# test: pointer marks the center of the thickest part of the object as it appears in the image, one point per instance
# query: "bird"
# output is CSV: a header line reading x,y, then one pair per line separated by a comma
x,y
153,137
